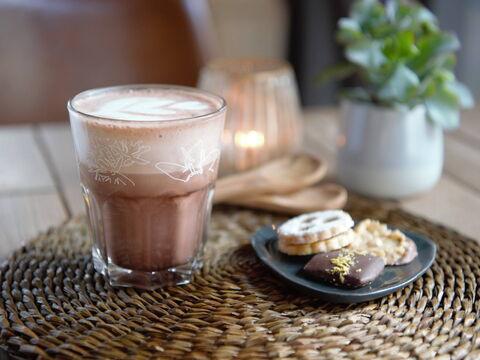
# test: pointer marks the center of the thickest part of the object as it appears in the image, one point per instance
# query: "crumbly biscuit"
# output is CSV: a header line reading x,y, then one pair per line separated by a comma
x,y
334,243
410,253
314,227
377,239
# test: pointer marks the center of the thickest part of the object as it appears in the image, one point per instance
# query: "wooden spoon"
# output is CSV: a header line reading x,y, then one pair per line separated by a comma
x,y
315,198
285,175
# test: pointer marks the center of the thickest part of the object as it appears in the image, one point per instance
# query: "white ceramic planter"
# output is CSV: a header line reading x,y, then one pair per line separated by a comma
x,y
388,153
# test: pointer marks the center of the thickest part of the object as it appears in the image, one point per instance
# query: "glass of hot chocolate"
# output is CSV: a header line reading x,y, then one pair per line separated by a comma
x,y
148,158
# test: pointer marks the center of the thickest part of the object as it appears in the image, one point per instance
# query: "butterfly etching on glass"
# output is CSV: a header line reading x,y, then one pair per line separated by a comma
x,y
109,158
195,160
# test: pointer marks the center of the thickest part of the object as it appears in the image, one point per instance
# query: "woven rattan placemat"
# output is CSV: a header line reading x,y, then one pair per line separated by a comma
x,y
53,304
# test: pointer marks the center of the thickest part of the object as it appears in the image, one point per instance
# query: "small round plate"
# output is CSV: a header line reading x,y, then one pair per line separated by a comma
x,y
393,278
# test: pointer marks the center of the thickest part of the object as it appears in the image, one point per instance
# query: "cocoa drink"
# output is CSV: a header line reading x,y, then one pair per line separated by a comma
x,y
148,158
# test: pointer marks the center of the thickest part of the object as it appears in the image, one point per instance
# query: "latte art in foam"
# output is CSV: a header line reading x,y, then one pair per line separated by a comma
x,y
147,108
145,105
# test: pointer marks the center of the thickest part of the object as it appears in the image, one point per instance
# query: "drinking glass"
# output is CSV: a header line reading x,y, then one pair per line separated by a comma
x,y
148,160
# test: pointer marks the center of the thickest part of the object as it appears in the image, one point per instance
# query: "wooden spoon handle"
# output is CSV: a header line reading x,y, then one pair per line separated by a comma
x,y
263,179
236,185
336,198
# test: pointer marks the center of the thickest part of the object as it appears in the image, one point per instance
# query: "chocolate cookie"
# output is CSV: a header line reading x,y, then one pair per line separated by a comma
x,y
345,268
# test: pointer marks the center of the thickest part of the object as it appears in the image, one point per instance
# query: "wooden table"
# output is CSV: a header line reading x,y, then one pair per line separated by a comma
x,y
39,182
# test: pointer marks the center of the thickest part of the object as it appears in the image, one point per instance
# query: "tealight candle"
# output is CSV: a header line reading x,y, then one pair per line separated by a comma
x,y
263,121
249,147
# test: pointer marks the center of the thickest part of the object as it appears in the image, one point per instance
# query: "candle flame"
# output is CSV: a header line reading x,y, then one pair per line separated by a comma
x,y
249,139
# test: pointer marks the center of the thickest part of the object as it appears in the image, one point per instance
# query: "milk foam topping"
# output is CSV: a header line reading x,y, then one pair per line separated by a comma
x,y
149,142
145,104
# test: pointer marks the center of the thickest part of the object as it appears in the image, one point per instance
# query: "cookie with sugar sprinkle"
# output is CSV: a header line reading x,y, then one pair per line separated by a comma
x,y
315,227
345,268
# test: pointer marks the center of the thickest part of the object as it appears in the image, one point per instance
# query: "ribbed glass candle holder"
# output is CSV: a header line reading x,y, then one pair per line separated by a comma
x,y
263,119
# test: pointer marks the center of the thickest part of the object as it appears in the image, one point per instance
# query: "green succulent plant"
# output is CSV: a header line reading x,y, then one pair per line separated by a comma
x,y
400,57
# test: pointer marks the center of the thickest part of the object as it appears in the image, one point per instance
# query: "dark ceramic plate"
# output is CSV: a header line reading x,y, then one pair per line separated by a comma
x,y
391,279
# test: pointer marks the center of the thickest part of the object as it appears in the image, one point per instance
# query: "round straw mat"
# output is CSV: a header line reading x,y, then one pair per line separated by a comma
x,y
54,305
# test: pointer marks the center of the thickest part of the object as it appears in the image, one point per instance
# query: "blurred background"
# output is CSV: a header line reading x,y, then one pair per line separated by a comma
x,y
52,49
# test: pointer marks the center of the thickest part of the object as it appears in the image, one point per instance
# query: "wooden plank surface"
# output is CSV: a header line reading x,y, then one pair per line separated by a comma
x,y
23,167
29,201
23,216
58,142
39,184
470,127
451,204
462,162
